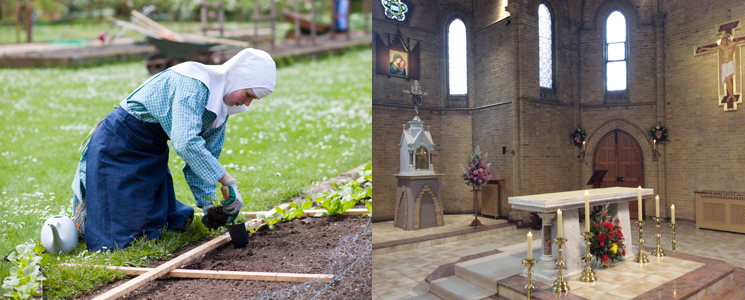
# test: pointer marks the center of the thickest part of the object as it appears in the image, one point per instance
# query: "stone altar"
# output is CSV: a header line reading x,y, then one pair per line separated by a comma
x,y
546,206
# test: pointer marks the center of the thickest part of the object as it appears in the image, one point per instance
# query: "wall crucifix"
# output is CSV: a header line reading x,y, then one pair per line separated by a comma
x,y
728,51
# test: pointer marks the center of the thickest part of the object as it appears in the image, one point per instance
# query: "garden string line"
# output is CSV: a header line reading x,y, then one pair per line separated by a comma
x,y
340,275
351,259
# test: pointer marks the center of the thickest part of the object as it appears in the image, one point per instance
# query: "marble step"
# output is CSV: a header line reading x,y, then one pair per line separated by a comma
x,y
427,296
486,271
455,288
735,289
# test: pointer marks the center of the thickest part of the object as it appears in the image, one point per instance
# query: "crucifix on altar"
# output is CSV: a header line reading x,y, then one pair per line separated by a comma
x,y
728,51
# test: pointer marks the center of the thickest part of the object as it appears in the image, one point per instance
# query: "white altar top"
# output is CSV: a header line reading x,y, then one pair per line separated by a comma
x,y
575,199
570,202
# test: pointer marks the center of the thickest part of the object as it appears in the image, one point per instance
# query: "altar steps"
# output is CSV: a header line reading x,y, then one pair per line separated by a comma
x,y
477,278
456,288
734,290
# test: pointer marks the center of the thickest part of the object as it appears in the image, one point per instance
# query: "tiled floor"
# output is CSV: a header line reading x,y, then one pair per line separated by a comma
x,y
626,280
385,231
400,275
726,246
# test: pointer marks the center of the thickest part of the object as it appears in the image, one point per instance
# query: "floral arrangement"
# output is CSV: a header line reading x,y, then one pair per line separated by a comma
x,y
476,172
578,136
607,241
659,133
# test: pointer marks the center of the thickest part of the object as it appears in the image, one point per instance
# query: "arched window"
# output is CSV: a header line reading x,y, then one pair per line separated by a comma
x,y
457,58
545,46
616,57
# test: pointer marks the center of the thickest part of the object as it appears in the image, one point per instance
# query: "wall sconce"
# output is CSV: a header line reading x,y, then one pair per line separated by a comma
x,y
504,150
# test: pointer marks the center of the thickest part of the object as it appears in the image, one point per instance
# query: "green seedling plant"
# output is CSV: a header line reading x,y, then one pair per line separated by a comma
x,y
25,273
365,179
252,231
271,220
214,200
294,211
368,206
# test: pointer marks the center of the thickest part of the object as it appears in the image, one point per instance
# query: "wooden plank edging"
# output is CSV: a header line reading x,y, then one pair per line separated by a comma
x,y
237,275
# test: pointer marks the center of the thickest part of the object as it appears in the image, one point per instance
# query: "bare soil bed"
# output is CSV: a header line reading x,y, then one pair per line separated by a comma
x,y
301,246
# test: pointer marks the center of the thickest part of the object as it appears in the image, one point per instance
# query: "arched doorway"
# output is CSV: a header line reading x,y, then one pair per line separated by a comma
x,y
621,155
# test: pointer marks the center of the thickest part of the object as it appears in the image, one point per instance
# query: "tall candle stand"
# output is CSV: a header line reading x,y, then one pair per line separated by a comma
x,y
560,285
673,240
588,275
641,257
529,263
658,249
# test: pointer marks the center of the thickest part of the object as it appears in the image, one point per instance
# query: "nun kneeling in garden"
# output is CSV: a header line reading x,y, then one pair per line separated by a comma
x,y
123,187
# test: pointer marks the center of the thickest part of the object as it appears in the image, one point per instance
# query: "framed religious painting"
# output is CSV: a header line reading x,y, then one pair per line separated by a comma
x,y
394,59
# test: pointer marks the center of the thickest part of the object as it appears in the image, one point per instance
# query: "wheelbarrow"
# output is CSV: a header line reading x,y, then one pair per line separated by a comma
x,y
170,53
174,48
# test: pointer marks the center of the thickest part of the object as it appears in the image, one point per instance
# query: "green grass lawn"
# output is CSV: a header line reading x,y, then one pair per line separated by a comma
x,y
89,31
315,125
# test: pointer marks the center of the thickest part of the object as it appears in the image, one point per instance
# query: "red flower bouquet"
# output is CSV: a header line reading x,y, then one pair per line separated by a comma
x,y
607,242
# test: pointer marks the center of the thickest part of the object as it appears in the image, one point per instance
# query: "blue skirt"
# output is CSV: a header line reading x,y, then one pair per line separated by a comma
x,y
129,189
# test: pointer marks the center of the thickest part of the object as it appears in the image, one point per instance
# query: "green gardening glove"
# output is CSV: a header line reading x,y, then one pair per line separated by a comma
x,y
232,206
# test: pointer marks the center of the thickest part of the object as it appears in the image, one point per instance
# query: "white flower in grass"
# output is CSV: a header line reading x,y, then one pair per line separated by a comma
x,y
279,174
31,179
229,151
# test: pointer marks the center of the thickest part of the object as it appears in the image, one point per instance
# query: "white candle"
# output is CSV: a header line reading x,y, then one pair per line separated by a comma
x,y
657,206
583,145
655,144
530,245
587,211
558,222
639,206
672,213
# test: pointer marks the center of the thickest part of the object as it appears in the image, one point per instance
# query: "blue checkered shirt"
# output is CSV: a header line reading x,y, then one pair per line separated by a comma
x,y
177,103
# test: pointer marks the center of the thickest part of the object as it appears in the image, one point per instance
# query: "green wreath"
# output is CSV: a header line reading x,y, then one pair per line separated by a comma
x,y
578,136
658,133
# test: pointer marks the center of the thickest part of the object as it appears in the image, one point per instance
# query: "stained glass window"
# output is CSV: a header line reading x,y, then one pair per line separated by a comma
x,y
457,58
395,9
545,36
615,55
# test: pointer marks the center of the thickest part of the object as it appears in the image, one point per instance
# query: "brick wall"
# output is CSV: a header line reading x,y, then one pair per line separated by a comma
x,y
667,85
705,151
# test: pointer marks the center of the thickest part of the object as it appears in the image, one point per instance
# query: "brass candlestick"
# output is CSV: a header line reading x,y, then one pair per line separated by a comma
x,y
658,249
560,285
673,240
641,257
529,263
588,275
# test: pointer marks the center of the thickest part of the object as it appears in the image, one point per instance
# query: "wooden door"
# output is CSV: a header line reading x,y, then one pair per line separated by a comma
x,y
621,155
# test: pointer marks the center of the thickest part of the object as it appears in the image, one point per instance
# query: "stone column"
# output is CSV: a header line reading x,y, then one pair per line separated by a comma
x,y
547,259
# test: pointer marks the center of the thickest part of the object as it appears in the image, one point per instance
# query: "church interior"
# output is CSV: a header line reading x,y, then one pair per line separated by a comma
x,y
492,119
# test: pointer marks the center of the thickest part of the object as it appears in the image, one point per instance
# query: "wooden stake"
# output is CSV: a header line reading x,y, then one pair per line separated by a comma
x,y
236,275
